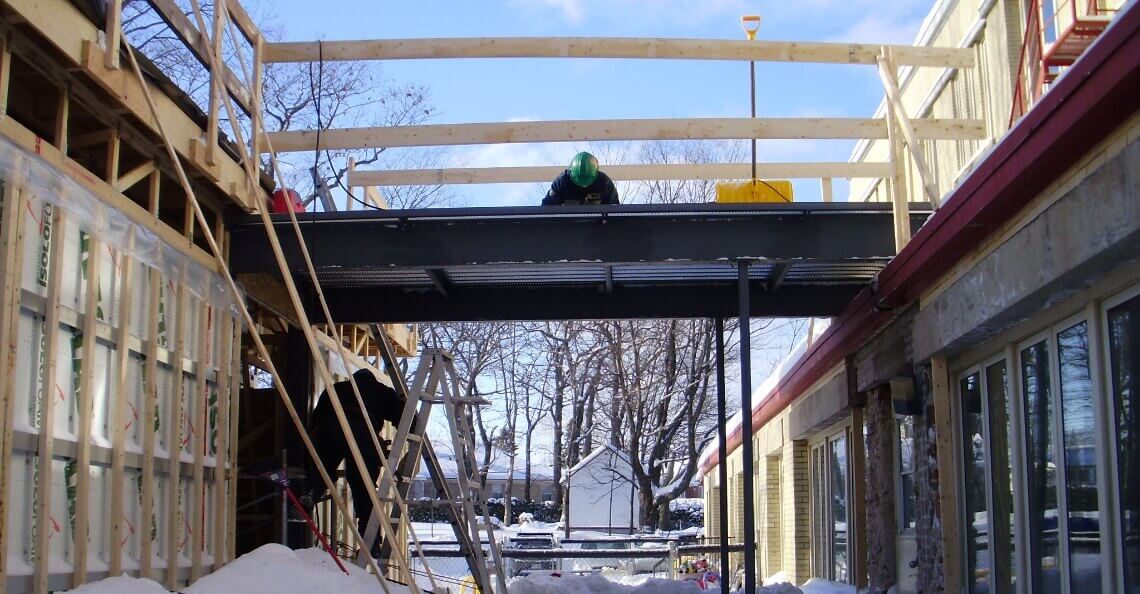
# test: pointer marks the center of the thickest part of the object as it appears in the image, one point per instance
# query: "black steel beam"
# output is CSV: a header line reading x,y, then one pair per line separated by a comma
x,y
779,271
722,449
505,303
745,331
438,238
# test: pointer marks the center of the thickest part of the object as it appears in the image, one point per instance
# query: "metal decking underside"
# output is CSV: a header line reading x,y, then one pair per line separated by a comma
x,y
630,261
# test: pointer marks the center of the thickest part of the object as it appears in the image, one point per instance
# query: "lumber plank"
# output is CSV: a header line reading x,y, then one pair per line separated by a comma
x,y
627,129
645,172
611,47
134,176
887,72
174,422
86,408
201,402
226,369
148,414
11,271
120,416
899,194
48,395
5,70
947,469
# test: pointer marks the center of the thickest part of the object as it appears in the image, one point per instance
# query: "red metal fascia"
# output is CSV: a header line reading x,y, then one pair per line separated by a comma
x,y
1097,94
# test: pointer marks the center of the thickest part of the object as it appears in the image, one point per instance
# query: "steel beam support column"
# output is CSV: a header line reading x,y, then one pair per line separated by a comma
x,y
722,446
750,561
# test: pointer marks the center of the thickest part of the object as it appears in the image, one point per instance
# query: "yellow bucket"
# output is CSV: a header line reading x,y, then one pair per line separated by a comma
x,y
769,190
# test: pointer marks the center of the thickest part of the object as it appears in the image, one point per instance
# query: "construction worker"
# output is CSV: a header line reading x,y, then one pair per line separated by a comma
x,y
582,183
382,404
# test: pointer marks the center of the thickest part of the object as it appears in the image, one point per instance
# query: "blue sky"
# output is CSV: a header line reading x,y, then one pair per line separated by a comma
x,y
551,89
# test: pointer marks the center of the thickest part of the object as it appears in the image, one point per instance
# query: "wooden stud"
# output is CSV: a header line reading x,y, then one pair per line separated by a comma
x,y
201,403
858,534
111,173
154,193
887,73
826,190
134,176
350,201
216,68
114,30
239,17
148,414
225,372
11,271
86,408
5,71
256,125
371,194
899,194
120,397
62,112
596,130
947,470
646,172
612,47
238,371
174,422
49,391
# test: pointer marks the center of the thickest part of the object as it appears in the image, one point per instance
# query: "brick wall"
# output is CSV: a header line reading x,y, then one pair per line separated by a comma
x,y
795,518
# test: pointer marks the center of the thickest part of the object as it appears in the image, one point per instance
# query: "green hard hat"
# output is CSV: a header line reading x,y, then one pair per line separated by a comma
x,y
584,169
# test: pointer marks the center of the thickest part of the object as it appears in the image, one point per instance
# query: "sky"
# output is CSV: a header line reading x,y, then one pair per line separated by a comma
x,y
485,90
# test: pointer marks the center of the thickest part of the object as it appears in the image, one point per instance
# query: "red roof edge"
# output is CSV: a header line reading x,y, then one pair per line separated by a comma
x,y
1094,97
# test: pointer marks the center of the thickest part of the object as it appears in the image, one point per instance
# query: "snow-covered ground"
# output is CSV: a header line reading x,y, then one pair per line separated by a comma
x,y
596,584
270,569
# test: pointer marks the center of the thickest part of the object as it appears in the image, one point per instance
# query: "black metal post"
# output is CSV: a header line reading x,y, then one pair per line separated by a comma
x,y
750,569
722,446
752,83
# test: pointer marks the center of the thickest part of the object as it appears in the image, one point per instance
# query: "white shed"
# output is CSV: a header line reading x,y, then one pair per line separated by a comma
x,y
602,492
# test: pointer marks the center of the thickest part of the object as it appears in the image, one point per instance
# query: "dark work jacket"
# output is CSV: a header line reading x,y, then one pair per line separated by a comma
x,y
381,402
564,190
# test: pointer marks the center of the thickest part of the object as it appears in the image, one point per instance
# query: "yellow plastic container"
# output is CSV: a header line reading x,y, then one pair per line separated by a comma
x,y
768,190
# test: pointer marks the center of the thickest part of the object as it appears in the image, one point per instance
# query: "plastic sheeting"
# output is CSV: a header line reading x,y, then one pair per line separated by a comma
x,y
111,226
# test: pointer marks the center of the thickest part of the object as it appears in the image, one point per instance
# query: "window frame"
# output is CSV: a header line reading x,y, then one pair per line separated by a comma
x,y
821,514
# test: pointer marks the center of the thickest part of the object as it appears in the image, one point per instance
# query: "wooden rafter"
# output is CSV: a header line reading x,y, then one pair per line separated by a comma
x,y
611,47
647,172
633,129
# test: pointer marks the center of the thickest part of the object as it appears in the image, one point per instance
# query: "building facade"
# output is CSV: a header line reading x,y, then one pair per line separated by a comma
x,y
968,425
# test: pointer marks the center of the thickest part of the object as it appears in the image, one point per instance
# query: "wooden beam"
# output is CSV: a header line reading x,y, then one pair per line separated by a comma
x,y
594,130
86,407
120,397
11,273
224,360
200,428
114,30
215,106
134,176
825,188
947,470
5,71
148,413
887,72
648,172
899,194
174,422
48,395
611,47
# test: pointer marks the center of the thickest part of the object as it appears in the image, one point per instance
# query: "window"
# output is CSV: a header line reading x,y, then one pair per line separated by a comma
x,y
1078,439
974,484
1041,474
548,493
1123,335
839,472
905,426
1002,524
830,488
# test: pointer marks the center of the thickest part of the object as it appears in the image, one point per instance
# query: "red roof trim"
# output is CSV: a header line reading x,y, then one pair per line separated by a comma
x,y
1092,99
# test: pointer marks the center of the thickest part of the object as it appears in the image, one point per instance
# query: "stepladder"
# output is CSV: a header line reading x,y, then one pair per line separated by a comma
x,y
435,383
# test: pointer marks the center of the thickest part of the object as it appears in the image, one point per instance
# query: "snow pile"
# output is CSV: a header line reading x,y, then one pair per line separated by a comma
x,y
271,569
691,504
818,586
596,584
120,585
275,569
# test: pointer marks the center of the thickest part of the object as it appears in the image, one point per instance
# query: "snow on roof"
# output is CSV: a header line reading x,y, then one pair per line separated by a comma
x,y
769,385
594,454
